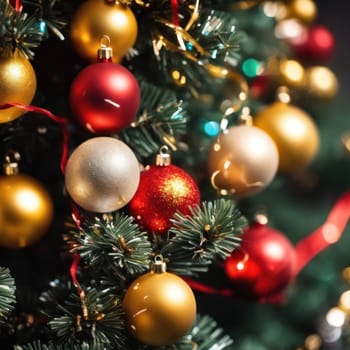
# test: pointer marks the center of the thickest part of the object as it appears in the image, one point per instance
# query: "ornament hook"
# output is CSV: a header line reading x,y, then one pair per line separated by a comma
x,y
11,163
105,51
283,94
163,157
159,265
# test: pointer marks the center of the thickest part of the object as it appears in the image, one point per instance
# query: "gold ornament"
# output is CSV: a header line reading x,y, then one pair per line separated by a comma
x,y
17,85
102,174
291,74
321,83
26,209
160,307
293,131
303,10
242,161
97,18
285,72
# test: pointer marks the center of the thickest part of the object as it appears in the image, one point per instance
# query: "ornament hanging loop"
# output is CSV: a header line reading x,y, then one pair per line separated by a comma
x,y
283,94
11,163
163,157
105,51
245,118
159,265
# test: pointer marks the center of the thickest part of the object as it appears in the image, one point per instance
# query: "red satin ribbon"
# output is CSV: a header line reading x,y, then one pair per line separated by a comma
x,y
305,250
16,4
175,12
62,122
324,236
200,287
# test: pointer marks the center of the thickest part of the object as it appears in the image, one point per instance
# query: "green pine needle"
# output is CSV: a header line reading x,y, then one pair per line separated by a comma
x,y
104,322
216,32
48,16
37,345
209,232
162,120
113,244
208,336
18,31
7,294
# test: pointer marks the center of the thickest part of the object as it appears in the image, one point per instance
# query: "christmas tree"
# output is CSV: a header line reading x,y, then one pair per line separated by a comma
x,y
175,176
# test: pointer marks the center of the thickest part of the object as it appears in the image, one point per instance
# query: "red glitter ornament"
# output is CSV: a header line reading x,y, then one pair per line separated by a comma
x,y
164,189
264,264
105,97
316,44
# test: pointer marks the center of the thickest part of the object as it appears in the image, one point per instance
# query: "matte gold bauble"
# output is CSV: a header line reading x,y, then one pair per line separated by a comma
x,y
294,133
303,10
102,174
160,308
17,84
321,83
97,18
26,211
242,161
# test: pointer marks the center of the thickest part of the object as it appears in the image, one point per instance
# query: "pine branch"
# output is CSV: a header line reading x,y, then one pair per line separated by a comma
x,y
7,294
37,345
100,320
211,231
18,31
48,16
208,336
162,120
113,244
216,32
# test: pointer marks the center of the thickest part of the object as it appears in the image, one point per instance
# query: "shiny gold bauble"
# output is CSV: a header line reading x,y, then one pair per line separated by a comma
x,y
303,10
292,74
97,18
294,132
102,174
160,308
26,211
321,83
242,161
286,72
17,85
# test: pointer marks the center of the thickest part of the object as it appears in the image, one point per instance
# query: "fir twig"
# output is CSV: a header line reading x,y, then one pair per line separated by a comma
x,y
103,323
113,244
48,16
209,232
217,34
18,31
7,294
208,336
37,345
162,120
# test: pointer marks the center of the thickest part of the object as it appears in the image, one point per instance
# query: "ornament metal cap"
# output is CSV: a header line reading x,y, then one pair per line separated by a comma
x,y
11,163
163,157
105,51
159,265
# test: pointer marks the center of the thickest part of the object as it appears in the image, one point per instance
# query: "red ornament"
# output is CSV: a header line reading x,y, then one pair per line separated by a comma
x,y
316,44
260,87
163,190
105,97
263,266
